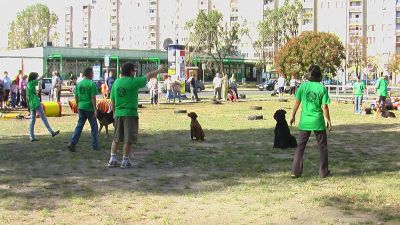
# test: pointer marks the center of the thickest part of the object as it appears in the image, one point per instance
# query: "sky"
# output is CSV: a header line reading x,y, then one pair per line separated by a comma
x,y
10,8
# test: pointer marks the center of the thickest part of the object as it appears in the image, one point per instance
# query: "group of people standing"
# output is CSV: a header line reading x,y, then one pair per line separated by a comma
x,y
13,91
225,88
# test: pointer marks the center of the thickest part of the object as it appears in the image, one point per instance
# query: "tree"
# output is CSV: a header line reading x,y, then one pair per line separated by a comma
x,y
394,66
280,25
357,53
32,27
320,48
210,36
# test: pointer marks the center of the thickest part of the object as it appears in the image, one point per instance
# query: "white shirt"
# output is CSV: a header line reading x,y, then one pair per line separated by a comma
x,y
217,82
293,82
55,81
281,82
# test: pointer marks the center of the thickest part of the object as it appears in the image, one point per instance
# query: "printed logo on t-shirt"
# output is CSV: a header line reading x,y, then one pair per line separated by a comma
x,y
121,92
311,96
83,90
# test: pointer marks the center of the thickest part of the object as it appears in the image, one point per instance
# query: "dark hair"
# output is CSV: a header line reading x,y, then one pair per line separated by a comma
x,y
87,71
358,77
315,73
33,76
127,68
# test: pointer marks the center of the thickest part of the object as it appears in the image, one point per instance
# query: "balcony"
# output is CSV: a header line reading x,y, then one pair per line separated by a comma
x,y
355,9
398,20
398,7
355,21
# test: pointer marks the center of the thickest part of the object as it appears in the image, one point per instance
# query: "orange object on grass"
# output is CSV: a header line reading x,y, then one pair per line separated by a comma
x,y
104,105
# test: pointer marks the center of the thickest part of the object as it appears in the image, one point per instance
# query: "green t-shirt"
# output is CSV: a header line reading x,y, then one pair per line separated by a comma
x,y
33,99
124,94
85,90
358,88
312,96
381,87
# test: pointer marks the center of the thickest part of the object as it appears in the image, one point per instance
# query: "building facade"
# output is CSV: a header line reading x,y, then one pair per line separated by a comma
x,y
147,24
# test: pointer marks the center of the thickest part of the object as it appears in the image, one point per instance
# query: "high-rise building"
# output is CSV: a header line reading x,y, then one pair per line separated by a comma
x,y
114,20
69,37
398,26
146,24
86,40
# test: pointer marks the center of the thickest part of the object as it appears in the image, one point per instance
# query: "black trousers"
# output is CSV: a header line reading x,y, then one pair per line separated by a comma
x,y
322,141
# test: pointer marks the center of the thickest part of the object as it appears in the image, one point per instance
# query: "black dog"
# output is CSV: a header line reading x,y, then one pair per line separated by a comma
x,y
283,138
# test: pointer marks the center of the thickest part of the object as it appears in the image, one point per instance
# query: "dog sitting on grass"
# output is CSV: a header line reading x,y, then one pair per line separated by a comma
x,y
195,128
283,138
384,114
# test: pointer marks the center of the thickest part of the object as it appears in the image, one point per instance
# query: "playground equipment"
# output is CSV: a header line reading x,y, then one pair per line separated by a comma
x,y
52,109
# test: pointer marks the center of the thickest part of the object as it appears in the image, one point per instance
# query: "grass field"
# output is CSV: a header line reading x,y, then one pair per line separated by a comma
x,y
234,177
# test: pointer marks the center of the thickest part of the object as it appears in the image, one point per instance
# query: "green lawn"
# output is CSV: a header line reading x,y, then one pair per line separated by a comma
x,y
234,177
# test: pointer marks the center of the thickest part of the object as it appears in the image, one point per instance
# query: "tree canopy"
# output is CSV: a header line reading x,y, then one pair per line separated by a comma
x,y
320,48
210,36
32,27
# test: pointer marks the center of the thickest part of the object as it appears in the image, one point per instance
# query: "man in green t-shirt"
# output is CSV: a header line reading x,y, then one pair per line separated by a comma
x,y
85,97
358,91
314,99
124,97
381,91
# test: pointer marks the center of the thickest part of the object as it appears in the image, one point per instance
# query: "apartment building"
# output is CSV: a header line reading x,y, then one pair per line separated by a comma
x,y
146,24
397,26
69,37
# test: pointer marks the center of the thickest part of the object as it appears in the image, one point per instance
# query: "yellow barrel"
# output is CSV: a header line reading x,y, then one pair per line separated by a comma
x,y
52,109
10,115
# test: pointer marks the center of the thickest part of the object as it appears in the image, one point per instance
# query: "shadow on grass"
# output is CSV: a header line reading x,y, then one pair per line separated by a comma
x,y
37,175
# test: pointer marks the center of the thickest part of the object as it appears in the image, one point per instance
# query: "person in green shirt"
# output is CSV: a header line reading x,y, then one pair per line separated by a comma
x,y
85,97
314,99
124,97
36,106
381,91
358,91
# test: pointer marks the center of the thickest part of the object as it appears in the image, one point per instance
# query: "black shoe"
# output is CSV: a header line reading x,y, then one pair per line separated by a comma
x,y
327,175
55,133
33,140
71,148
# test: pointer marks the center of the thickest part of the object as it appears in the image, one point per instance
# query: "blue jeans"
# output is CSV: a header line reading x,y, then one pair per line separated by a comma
x,y
13,99
33,121
358,104
83,116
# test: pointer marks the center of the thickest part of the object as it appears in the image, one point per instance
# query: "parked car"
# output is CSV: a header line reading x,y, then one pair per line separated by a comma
x,y
46,86
268,85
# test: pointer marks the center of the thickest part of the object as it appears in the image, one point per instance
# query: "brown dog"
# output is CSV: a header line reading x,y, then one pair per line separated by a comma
x,y
384,114
195,128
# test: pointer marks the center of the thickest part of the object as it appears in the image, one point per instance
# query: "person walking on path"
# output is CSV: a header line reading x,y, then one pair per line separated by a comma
x,y
36,107
281,85
293,85
55,81
154,91
358,91
22,84
168,87
176,87
193,87
85,98
7,87
225,86
124,97
233,85
314,99
382,91
217,84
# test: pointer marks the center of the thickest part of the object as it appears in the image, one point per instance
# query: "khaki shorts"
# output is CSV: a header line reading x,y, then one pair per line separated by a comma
x,y
126,129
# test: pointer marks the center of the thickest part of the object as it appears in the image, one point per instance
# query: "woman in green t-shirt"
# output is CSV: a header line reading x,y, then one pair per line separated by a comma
x,y
314,99
36,106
